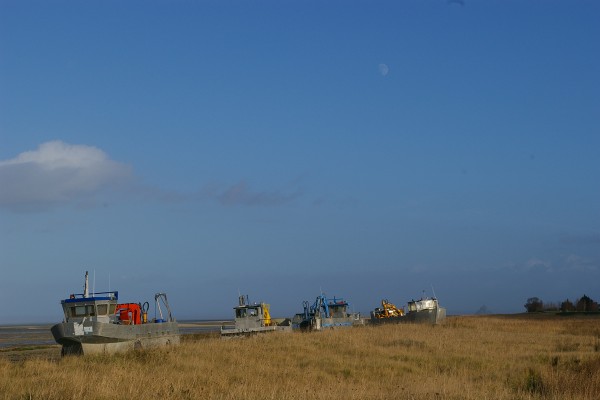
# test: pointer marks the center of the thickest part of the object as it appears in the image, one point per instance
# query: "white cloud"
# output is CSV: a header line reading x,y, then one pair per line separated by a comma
x,y
57,173
537,264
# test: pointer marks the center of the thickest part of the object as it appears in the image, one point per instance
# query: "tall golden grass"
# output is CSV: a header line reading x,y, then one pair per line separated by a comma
x,y
466,358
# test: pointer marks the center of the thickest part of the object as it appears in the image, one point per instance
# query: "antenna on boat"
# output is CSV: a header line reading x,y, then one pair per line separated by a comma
x,y
433,291
94,284
86,292
109,282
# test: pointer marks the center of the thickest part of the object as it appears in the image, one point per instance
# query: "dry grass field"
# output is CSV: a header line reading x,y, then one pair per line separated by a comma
x,y
491,357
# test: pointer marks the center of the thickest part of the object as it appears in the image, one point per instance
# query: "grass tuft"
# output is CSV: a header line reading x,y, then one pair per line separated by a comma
x,y
533,382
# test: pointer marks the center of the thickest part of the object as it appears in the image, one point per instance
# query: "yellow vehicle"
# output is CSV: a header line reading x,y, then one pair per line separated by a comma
x,y
388,310
266,314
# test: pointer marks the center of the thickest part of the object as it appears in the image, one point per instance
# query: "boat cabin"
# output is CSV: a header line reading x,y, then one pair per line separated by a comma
x,y
338,308
100,307
248,316
423,304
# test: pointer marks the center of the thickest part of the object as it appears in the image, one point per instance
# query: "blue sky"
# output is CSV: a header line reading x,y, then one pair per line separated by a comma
x,y
279,148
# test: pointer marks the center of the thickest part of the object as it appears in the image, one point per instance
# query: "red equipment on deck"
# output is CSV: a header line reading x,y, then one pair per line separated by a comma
x,y
129,313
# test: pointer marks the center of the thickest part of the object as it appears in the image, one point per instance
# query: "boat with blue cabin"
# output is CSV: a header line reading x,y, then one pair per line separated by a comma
x,y
98,323
325,313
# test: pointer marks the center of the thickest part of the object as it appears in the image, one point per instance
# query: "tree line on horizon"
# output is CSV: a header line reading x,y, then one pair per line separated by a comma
x,y
583,304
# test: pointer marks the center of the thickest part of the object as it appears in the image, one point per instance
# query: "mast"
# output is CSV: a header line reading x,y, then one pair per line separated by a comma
x,y
86,292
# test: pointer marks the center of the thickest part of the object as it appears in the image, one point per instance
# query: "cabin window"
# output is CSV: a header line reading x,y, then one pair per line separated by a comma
x,y
102,309
78,311
111,308
241,313
83,311
338,312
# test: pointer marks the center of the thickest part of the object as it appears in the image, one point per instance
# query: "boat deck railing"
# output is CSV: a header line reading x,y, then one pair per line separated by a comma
x,y
113,295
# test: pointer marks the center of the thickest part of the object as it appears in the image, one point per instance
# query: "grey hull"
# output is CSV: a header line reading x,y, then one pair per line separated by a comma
x,y
232,332
97,337
318,324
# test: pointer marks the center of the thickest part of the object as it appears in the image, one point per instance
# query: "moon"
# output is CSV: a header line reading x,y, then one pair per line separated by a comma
x,y
384,69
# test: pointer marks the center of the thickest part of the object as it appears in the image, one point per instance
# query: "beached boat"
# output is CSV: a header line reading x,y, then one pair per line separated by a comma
x,y
253,318
97,323
325,313
425,310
